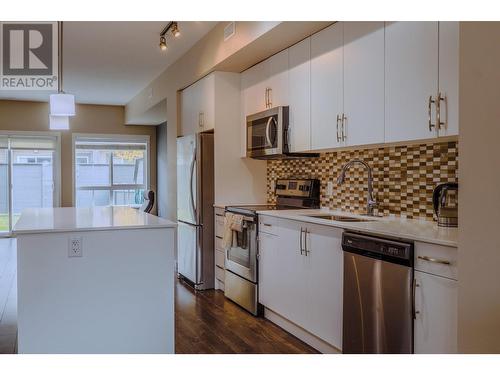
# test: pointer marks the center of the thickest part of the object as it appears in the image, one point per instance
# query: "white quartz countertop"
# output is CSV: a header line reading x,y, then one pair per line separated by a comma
x,y
70,219
409,229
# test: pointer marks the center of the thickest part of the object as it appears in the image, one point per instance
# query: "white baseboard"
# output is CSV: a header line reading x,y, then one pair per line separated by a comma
x,y
317,343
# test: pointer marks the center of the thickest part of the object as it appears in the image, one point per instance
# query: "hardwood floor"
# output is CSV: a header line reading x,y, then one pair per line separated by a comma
x,y
206,322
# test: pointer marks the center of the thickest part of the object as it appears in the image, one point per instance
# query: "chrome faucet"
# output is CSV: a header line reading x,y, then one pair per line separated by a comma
x,y
371,203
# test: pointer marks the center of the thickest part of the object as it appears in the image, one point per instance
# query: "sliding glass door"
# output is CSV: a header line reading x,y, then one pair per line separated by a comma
x,y
29,171
4,185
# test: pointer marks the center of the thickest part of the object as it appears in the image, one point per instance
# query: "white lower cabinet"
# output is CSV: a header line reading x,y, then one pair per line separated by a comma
x,y
324,286
300,277
435,325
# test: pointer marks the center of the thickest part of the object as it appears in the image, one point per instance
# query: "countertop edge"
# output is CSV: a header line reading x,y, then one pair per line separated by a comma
x,y
354,227
92,229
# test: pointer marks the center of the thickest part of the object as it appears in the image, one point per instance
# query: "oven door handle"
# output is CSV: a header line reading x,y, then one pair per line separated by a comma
x,y
268,128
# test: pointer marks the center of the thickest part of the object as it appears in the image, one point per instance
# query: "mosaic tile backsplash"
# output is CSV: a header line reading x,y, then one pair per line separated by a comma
x,y
403,177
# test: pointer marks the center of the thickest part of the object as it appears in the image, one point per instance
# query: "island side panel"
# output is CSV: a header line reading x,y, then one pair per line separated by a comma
x,y
117,298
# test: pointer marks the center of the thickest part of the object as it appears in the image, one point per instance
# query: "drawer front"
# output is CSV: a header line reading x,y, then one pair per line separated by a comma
x,y
219,258
436,260
219,211
219,225
218,244
268,224
219,274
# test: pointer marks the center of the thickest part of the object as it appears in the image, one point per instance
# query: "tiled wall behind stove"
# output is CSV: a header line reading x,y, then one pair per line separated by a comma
x,y
404,177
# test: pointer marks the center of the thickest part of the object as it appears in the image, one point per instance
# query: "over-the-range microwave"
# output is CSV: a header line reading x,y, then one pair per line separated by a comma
x,y
268,135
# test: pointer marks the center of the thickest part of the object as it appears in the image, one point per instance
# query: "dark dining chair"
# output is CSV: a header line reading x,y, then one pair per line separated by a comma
x,y
149,201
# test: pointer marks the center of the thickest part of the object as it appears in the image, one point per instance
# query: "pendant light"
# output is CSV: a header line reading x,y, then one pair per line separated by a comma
x,y
62,105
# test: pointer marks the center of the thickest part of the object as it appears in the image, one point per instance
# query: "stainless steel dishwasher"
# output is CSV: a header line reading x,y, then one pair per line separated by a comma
x,y
378,295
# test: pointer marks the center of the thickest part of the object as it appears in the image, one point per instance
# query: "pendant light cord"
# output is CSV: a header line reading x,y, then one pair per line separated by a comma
x,y
60,56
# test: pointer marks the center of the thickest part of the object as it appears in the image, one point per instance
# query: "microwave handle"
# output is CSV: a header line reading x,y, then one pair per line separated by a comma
x,y
268,128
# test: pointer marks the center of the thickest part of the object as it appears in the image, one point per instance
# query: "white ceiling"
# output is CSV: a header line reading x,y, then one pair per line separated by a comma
x,y
110,62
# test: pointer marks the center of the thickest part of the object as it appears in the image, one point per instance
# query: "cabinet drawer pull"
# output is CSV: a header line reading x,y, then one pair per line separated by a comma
x,y
434,260
267,225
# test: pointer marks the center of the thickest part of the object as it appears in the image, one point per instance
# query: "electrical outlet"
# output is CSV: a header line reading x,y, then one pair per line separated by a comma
x,y
329,188
75,247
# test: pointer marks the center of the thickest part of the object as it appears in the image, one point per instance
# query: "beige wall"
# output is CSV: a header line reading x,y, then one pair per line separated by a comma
x,y
479,176
158,102
33,116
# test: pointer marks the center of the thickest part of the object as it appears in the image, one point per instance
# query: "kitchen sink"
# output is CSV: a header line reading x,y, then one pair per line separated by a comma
x,y
341,218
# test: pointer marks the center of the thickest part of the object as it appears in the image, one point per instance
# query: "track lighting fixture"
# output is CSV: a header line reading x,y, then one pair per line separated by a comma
x,y
174,29
163,43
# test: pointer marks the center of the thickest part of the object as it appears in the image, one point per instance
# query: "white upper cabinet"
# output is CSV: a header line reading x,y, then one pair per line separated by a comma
x,y
299,76
254,89
198,106
411,80
327,87
363,83
265,85
448,77
277,82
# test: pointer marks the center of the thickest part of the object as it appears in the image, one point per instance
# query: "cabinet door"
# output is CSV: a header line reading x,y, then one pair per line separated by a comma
x,y
270,284
299,76
364,82
188,117
411,77
326,86
325,269
254,84
277,82
435,326
206,102
448,76
291,301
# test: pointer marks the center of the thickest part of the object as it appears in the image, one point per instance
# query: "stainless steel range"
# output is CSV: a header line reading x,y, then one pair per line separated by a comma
x,y
241,261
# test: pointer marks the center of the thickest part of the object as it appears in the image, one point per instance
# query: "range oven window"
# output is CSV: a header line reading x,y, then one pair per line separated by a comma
x,y
262,133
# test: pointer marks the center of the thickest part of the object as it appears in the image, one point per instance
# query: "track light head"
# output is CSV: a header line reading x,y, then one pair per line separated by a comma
x,y
163,43
175,29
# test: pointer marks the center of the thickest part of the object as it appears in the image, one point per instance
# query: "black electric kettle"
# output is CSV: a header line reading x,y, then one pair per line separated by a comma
x,y
445,202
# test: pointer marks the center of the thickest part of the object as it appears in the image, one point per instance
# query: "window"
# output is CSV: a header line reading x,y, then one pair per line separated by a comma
x,y
110,170
29,174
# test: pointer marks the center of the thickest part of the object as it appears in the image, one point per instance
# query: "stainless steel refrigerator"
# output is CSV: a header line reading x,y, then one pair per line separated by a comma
x,y
195,199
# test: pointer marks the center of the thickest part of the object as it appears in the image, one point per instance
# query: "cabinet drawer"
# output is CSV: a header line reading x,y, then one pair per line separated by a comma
x,y
268,224
219,273
219,225
219,258
218,244
436,260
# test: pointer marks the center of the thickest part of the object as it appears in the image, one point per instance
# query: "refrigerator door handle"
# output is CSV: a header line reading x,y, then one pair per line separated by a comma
x,y
191,193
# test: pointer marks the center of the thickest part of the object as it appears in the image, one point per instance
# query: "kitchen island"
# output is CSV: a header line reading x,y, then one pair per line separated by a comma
x,y
95,280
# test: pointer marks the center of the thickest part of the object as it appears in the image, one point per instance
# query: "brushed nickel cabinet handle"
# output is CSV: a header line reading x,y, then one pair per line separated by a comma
x,y
338,120
301,243
413,302
429,112
433,260
439,98
344,120
270,96
306,250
